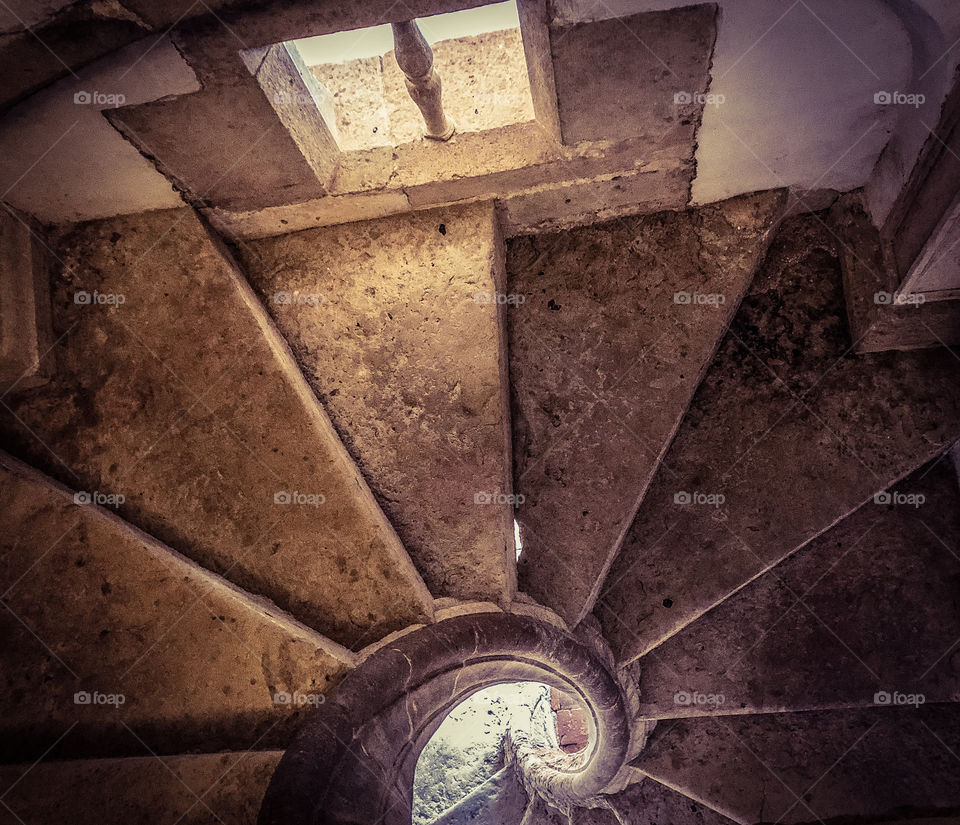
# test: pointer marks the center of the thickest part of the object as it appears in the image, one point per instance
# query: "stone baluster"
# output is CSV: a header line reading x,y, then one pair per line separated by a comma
x,y
415,59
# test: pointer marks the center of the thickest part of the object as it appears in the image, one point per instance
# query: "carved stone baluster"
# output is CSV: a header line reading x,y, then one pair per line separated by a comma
x,y
415,59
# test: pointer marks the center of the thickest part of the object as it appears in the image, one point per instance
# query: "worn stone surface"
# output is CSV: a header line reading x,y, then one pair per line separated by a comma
x,y
198,789
499,800
356,88
184,399
606,351
467,751
883,763
658,55
875,597
96,608
792,428
401,342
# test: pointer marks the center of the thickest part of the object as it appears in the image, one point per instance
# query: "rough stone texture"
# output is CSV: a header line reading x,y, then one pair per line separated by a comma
x,y
875,597
882,763
633,93
409,364
501,799
93,605
356,88
573,732
792,428
467,750
184,399
603,363
224,788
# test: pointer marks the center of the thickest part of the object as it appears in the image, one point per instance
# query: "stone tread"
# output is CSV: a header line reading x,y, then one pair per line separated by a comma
x,y
194,789
875,597
184,399
791,428
93,605
604,359
398,331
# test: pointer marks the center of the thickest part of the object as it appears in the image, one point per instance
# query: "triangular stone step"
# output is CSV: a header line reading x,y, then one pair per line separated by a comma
x,y
397,325
789,433
862,765
875,596
193,789
617,326
114,644
173,389
650,803
501,800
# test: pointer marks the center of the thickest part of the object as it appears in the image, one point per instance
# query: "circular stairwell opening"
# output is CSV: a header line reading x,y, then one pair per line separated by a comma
x,y
467,750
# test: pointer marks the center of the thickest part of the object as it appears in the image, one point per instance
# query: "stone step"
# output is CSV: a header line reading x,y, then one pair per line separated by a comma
x,y
648,802
617,326
174,390
501,800
188,789
875,596
788,433
396,325
873,764
117,645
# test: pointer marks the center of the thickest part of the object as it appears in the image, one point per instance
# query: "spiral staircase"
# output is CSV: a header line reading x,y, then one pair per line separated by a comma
x,y
261,489
314,504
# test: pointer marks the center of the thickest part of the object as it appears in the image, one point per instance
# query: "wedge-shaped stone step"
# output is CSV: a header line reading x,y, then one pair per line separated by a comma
x,y
649,803
617,326
114,644
875,597
174,390
865,765
397,325
498,801
198,789
788,433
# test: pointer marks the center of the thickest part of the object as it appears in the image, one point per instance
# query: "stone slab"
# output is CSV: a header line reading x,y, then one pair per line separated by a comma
x,y
792,428
619,78
403,346
198,789
873,596
876,764
605,356
96,609
174,389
